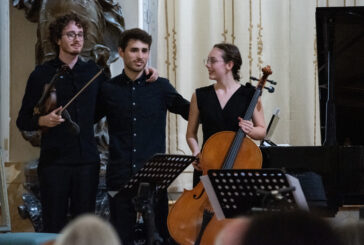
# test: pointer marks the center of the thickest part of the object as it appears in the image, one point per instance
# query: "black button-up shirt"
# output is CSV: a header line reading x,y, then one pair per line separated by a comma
x,y
59,145
136,115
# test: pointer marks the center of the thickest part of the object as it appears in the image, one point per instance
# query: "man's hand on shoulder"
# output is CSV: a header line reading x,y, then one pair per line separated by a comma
x,y
151,73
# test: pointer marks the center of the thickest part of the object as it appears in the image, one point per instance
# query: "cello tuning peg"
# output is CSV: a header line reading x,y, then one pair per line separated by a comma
x,y
270,89
272,82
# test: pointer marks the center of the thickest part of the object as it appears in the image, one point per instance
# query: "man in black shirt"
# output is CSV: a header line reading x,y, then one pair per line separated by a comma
x,y
136,115
69,162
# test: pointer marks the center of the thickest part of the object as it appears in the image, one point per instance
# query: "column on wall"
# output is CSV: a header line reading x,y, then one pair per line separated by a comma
x,y
4,79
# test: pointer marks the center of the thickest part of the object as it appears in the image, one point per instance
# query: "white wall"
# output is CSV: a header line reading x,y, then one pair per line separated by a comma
x,y
139,14
131,10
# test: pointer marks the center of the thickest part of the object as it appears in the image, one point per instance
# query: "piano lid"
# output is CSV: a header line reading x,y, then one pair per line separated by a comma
x,y
340,54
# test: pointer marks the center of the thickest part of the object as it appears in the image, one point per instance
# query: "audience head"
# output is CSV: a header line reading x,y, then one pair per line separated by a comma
x,y
233,233
290,228
351,233
88,230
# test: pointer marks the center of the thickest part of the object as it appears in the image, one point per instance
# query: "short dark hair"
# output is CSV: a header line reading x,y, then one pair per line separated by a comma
x,y
57,26
136,34
231,53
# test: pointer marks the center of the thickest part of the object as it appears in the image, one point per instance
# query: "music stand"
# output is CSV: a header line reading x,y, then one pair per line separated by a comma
x,y
270,129
160,170
245,191
156,175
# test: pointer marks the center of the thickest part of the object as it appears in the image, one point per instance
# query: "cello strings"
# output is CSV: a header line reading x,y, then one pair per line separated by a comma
x,y
239,137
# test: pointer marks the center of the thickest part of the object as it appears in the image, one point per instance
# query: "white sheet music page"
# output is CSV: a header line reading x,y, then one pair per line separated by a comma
x,y
298,193
212,197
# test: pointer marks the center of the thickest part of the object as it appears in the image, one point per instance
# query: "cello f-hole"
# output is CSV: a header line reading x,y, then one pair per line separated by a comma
x,y
199,196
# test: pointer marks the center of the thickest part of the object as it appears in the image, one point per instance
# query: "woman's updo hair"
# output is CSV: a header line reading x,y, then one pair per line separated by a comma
x,y
231,53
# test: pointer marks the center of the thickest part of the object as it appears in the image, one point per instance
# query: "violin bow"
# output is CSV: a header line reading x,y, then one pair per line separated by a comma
x,y
80,91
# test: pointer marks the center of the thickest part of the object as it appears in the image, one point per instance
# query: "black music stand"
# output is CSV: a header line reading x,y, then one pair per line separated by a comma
x,y
156,175
247,191
270,129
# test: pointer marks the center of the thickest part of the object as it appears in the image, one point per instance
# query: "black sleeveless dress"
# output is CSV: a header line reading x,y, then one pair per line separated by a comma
x,y
215,119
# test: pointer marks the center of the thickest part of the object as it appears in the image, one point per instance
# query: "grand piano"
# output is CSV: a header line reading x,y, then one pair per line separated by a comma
x,y
332,175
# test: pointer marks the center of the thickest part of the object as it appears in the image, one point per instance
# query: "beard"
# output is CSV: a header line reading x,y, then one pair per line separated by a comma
x,y
71,50
75,52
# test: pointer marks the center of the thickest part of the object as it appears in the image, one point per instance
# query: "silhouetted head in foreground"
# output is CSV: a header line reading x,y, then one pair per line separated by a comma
x,y
290,228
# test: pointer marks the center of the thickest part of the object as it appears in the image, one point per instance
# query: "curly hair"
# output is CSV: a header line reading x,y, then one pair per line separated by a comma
x,y
231,53
57,26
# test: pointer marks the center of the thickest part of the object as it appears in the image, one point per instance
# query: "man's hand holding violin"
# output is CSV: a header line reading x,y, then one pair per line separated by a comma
x,y
52,119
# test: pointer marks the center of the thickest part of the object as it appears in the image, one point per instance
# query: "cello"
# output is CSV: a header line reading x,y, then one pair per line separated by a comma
x,y
191,219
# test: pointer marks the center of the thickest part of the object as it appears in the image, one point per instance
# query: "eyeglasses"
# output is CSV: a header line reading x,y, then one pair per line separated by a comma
x,y
211,61
72,35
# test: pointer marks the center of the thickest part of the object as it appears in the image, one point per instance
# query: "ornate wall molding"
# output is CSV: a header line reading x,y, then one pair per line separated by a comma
x,y
260,39
168,64
233,22
225,31
172,69
250,29
315,80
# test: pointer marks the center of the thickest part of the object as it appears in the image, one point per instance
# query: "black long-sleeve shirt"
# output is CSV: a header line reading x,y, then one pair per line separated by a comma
x,y
136,115
58,144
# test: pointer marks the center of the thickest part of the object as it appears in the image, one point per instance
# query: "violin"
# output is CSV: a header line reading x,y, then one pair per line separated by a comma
x,y
48,102
191,220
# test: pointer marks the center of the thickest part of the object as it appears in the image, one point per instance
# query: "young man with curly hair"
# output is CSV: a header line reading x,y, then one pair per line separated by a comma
x,y
68,167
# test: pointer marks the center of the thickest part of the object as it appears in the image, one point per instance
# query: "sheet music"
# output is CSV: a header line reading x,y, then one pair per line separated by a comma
x,y
212,197
298,193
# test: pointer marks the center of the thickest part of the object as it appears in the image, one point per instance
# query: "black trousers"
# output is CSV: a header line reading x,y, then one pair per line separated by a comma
x,y
66,189
123,216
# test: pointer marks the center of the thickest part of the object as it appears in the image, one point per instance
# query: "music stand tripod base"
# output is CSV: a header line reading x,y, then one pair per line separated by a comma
x,y
154,178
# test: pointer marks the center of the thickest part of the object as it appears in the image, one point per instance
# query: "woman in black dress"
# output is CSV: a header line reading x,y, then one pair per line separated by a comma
x,y
221,106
